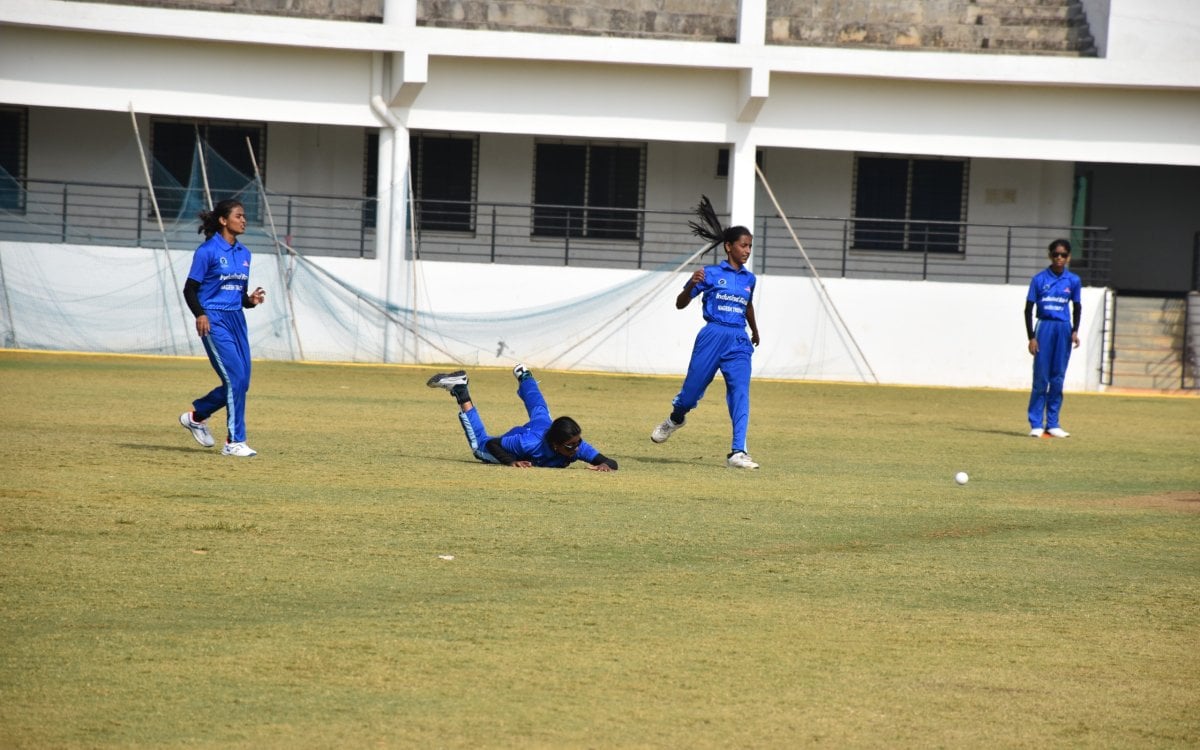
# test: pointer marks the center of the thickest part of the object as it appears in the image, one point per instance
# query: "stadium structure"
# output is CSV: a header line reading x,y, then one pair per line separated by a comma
x,y
481,182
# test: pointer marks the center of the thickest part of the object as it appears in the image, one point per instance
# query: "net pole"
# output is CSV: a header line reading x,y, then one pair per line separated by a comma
x,y
817,276
137,136
203,168
285,278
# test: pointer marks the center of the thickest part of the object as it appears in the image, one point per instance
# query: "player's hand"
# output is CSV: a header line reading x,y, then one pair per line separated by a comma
x,y
522,464
1033,347
754,337
600,467
202,326
697,277
258,295
1075,339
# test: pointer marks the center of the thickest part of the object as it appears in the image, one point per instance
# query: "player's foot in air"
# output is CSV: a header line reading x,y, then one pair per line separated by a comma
x,y
665,430
448,380
521,372
199,430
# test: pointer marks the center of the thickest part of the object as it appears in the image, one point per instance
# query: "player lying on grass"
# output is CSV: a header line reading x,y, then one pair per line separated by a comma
x,y
539,442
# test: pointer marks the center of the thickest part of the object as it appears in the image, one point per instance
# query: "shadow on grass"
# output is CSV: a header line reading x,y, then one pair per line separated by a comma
x,y
168,448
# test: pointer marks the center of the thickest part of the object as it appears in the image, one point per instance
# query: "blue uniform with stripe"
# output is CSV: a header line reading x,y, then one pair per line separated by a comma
x,y
1053,295
722,344
223,272
528,441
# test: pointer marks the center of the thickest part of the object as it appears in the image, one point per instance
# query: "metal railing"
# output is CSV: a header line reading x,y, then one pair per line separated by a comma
x,y
542,234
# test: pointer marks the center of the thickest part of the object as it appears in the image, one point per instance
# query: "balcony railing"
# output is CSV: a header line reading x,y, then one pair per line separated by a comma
x,y
475,232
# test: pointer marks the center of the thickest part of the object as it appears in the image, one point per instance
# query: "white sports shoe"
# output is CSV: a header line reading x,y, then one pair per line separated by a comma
x,y
241,450
1037,432
665,430
521,372
199,430
447,380
1058,432
740,460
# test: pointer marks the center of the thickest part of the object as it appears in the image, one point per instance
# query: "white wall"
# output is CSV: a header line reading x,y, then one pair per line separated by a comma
x,y
915,333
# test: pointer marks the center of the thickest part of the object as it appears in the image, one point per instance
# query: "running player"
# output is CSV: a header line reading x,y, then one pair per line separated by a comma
x,y
722,344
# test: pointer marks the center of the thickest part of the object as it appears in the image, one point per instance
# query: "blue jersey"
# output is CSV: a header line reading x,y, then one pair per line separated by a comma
x,y
530,444
1053,292
727,293
223,271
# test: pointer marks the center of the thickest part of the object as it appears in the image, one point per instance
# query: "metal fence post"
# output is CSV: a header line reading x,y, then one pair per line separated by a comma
x,y
641,235
64,213
493,239
763,253
845,244
1008,255
925,256
137,220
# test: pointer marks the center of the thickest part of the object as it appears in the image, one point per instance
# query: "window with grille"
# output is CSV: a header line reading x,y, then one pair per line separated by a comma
x,y
14,128
909,204
588,190
228,168
445,168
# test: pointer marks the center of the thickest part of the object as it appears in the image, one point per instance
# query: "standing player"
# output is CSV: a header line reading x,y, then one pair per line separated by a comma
x,y
538,442
722,344
215,292
1050,344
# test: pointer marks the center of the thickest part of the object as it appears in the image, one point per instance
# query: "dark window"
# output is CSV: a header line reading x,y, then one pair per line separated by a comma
x,y
228,167
588,190
13,132
723,161
371,179
444,167
909,204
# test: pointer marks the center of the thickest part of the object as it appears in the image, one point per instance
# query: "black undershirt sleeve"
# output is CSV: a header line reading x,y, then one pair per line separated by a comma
x,y
1077,309
493,446
1029,319
191,295
603,459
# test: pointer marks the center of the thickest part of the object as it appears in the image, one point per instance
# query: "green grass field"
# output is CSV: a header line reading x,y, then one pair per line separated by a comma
x,y
847,594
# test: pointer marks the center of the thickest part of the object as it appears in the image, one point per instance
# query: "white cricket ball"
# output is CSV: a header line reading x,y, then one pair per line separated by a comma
x,y
961,477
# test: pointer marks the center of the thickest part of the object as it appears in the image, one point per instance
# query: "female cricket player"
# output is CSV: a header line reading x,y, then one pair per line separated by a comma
x,y
722,344
1057,332
215,292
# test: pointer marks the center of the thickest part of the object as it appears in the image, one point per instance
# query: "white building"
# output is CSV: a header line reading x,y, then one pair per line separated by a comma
x,y
966,163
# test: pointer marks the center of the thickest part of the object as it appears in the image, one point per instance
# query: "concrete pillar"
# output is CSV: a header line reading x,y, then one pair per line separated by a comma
x,y
742,182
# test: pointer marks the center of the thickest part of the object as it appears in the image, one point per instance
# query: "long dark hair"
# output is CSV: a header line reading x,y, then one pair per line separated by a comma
x,y
210,221
709,227
561,430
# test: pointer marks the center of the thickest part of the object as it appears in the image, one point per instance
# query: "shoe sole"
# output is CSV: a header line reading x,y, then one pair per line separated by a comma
x,y
437,380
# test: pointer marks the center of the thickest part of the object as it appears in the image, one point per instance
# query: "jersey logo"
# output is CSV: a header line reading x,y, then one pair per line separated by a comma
x,y
721,282
224,261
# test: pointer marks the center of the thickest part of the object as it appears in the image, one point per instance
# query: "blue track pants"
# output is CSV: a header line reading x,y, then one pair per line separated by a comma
x,y
728,349
1049,371
228,347
535,406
